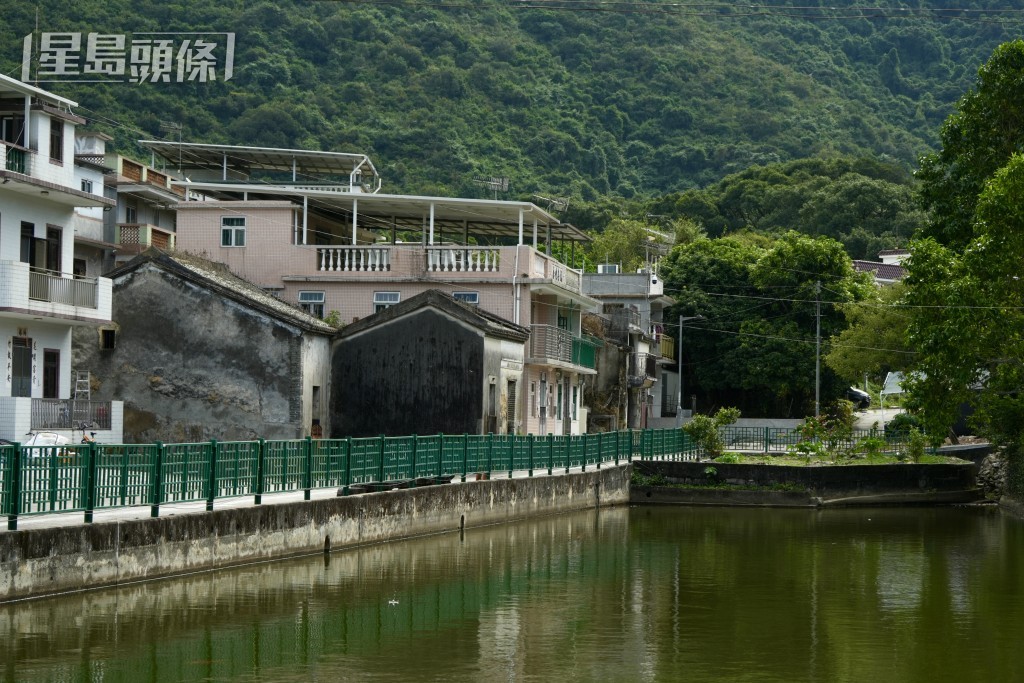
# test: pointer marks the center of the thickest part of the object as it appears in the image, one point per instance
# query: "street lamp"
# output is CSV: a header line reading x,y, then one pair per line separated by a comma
x,y
679,351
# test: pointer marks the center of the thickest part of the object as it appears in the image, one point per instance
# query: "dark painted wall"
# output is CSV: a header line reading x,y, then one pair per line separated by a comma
x,y
419,374
191,365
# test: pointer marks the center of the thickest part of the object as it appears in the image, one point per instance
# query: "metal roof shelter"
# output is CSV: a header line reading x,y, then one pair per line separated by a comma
x,y
231,161
365,210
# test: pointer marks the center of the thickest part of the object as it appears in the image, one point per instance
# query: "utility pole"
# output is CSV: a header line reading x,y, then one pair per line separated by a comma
x,y
817,348
679,353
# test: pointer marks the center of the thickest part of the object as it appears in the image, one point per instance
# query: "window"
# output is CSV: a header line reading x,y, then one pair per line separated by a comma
x,y
312,303
131,214
51,373
108,339
56,140
79,267
533,399
12,129
575,400
382,300
86,186
232,231
471,298
21,364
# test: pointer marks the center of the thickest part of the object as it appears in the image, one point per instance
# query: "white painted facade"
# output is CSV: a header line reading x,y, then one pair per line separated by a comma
x,y
41,298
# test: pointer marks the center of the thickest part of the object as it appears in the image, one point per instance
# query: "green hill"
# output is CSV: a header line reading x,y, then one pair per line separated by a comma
x,y
572,102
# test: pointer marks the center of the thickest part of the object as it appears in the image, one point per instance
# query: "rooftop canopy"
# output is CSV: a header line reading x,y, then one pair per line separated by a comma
x,y
224,174
228,161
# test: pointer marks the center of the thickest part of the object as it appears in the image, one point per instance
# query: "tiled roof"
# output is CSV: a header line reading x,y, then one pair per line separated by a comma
x,y
491,324
217,276
881,271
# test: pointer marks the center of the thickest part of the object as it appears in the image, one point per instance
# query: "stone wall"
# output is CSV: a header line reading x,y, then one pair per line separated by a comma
x,y
40,562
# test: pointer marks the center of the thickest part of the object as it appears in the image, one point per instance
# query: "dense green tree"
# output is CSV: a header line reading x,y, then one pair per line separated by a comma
x,y
977,140
964,282
441,94
754,347
875,340
867,205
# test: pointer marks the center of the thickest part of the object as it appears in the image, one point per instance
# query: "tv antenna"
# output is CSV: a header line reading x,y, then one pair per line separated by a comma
x,y
173,127
494,184
553,203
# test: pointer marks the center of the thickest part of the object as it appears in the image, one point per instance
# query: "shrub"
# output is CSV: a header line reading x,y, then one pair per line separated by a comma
x,y
703,429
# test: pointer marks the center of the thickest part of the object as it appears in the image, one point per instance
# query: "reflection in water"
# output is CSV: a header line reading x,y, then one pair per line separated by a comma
x,y
655,594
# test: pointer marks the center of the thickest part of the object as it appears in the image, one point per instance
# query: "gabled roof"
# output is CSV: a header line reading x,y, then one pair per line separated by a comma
x,y
488,323
216,277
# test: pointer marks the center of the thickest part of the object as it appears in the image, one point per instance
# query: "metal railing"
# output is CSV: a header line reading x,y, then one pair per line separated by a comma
x,y
555,344
667,347
87,477
45,285
15,159
69,413
642,365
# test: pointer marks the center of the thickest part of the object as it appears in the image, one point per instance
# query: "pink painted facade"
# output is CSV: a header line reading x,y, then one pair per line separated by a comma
x,y
262,241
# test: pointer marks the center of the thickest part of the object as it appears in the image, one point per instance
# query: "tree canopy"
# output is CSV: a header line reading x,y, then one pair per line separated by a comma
x,y
964,284
564,102
755,346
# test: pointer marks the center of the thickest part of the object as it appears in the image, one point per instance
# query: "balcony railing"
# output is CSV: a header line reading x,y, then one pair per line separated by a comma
x,y
667,347
15,159
463,259
140,236
353,259
54,288
555,344
642,365
565,276
70,413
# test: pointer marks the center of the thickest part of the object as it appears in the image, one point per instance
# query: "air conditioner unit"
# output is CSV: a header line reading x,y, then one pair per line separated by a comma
x,y
608,268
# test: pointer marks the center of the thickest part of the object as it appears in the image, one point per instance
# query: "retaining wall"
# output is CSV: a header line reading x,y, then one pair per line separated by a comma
x,y
38,562
826,480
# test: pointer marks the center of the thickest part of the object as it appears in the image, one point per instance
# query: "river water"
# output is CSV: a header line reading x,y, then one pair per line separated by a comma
x,y
626,594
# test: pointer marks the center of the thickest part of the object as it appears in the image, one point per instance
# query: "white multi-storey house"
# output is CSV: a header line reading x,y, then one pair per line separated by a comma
x,y
41,296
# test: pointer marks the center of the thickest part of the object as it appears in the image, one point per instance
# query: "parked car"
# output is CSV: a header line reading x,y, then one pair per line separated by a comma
x,y
39,441
860,399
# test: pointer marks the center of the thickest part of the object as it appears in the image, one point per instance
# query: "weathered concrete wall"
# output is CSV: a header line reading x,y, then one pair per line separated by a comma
x,y
192,365
40,562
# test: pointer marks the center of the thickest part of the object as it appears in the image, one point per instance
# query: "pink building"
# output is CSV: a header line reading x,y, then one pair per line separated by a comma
x,y
314,228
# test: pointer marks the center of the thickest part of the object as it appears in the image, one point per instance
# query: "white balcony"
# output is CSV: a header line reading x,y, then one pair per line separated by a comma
x,y
26,291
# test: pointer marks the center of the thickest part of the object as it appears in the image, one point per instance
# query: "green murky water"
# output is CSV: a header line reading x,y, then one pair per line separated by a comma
x,y
640,594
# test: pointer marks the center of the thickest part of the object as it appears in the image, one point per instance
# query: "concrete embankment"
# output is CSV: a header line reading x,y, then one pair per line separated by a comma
x,y
705,483
46,561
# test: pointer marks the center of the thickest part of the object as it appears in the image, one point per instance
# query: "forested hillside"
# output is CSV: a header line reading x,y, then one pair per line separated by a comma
x,y
638,100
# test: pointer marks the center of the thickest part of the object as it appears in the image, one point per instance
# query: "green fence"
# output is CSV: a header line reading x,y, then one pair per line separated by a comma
x,y
83,478
88,477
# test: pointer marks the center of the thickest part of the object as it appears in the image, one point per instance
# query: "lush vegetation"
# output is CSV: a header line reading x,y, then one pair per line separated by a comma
x,y
754,346
965,291
576,103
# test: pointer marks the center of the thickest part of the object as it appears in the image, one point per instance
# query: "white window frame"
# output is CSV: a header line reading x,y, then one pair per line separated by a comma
x,y
471,298
382,300
86,185
232,231
312,302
